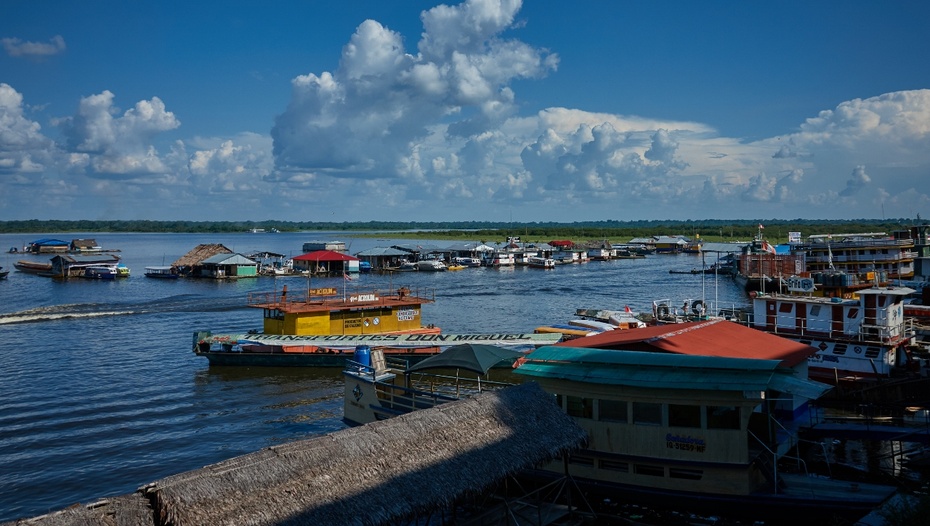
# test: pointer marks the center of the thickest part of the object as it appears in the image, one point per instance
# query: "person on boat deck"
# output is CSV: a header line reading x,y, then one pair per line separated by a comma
x,y
284,293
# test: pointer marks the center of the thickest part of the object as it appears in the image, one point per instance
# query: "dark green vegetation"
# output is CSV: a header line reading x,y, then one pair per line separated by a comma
x,y
710,229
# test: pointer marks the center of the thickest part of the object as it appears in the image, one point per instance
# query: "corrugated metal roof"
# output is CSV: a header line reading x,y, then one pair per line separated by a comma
x,y
325,255
421,248
381,252
706,338
228,259
725,248
664,371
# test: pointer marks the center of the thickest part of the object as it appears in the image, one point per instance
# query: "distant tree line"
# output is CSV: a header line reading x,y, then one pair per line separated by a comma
x,y
712,229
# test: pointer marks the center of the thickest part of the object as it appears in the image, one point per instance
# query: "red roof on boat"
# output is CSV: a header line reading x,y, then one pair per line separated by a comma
x,y
562,243
325,255
705,338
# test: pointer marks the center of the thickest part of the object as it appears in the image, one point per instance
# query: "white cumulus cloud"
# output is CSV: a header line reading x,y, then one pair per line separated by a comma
x,y
118,144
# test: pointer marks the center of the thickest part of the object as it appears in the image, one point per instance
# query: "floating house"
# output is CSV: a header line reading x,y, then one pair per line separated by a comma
x,y
380,258
695,432
670,244
190,264
85,245
228,266
48,246
334,246
326,263
66,266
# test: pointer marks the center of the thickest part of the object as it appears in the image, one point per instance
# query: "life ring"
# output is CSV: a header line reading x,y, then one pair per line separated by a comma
x,y
697,307
662,311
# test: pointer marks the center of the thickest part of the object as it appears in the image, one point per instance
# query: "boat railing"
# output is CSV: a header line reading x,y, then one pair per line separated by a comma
x,y
865,333
419,390
793,441
282,298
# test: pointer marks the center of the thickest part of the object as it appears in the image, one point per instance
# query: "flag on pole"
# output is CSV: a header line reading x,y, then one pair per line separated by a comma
x,y
761,227
346,276
628,310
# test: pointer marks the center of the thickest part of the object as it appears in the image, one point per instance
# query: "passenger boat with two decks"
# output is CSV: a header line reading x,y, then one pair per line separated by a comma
x,y
323,326
860,336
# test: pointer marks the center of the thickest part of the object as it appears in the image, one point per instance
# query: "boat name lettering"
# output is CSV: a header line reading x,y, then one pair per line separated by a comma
x,y
796,284
490,337
685,443
427,337
324,292
407,315
363,297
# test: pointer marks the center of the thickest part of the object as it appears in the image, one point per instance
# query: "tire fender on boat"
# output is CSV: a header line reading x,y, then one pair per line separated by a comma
x,y
697,307
662,311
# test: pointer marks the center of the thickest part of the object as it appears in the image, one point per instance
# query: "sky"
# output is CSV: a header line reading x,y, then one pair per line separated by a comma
x,y
486,110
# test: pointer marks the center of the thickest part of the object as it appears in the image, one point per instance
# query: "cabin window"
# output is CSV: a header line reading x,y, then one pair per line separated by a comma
x,y
612,411
686,474
839,348
274,314
722,417
579,407
581,460
786,307
613,465
647,413
684,415
646,469
853,313
872,352
815,310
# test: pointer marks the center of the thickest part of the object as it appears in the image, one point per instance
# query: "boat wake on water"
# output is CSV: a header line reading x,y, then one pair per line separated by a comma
x,y
183,303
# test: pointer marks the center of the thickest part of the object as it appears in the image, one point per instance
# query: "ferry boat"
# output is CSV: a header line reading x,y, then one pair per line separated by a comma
x,y
858,338
322,327
857,253
161,272
540,262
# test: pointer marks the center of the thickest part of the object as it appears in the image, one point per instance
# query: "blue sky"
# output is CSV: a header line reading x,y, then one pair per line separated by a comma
x,y
484,110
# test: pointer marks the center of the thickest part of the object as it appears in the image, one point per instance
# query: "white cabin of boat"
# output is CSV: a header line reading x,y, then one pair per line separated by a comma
x,y
865,337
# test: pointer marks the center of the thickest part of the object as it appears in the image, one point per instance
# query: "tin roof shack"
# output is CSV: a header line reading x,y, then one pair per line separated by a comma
x,y
189,264
326,263
85,245
66,266
670,244
228,266
382,257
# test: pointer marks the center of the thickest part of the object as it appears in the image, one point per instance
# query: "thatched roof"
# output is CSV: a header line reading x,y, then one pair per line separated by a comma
x,y
127,510
200,253
373,474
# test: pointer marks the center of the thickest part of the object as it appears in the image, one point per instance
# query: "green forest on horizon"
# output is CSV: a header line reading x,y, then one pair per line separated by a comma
x,y
774,229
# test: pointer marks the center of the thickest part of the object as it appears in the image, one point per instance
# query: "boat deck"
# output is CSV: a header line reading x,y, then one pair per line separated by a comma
x,y
319,300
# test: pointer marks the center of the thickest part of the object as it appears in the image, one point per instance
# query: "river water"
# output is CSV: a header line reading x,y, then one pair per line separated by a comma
x,y
101,394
